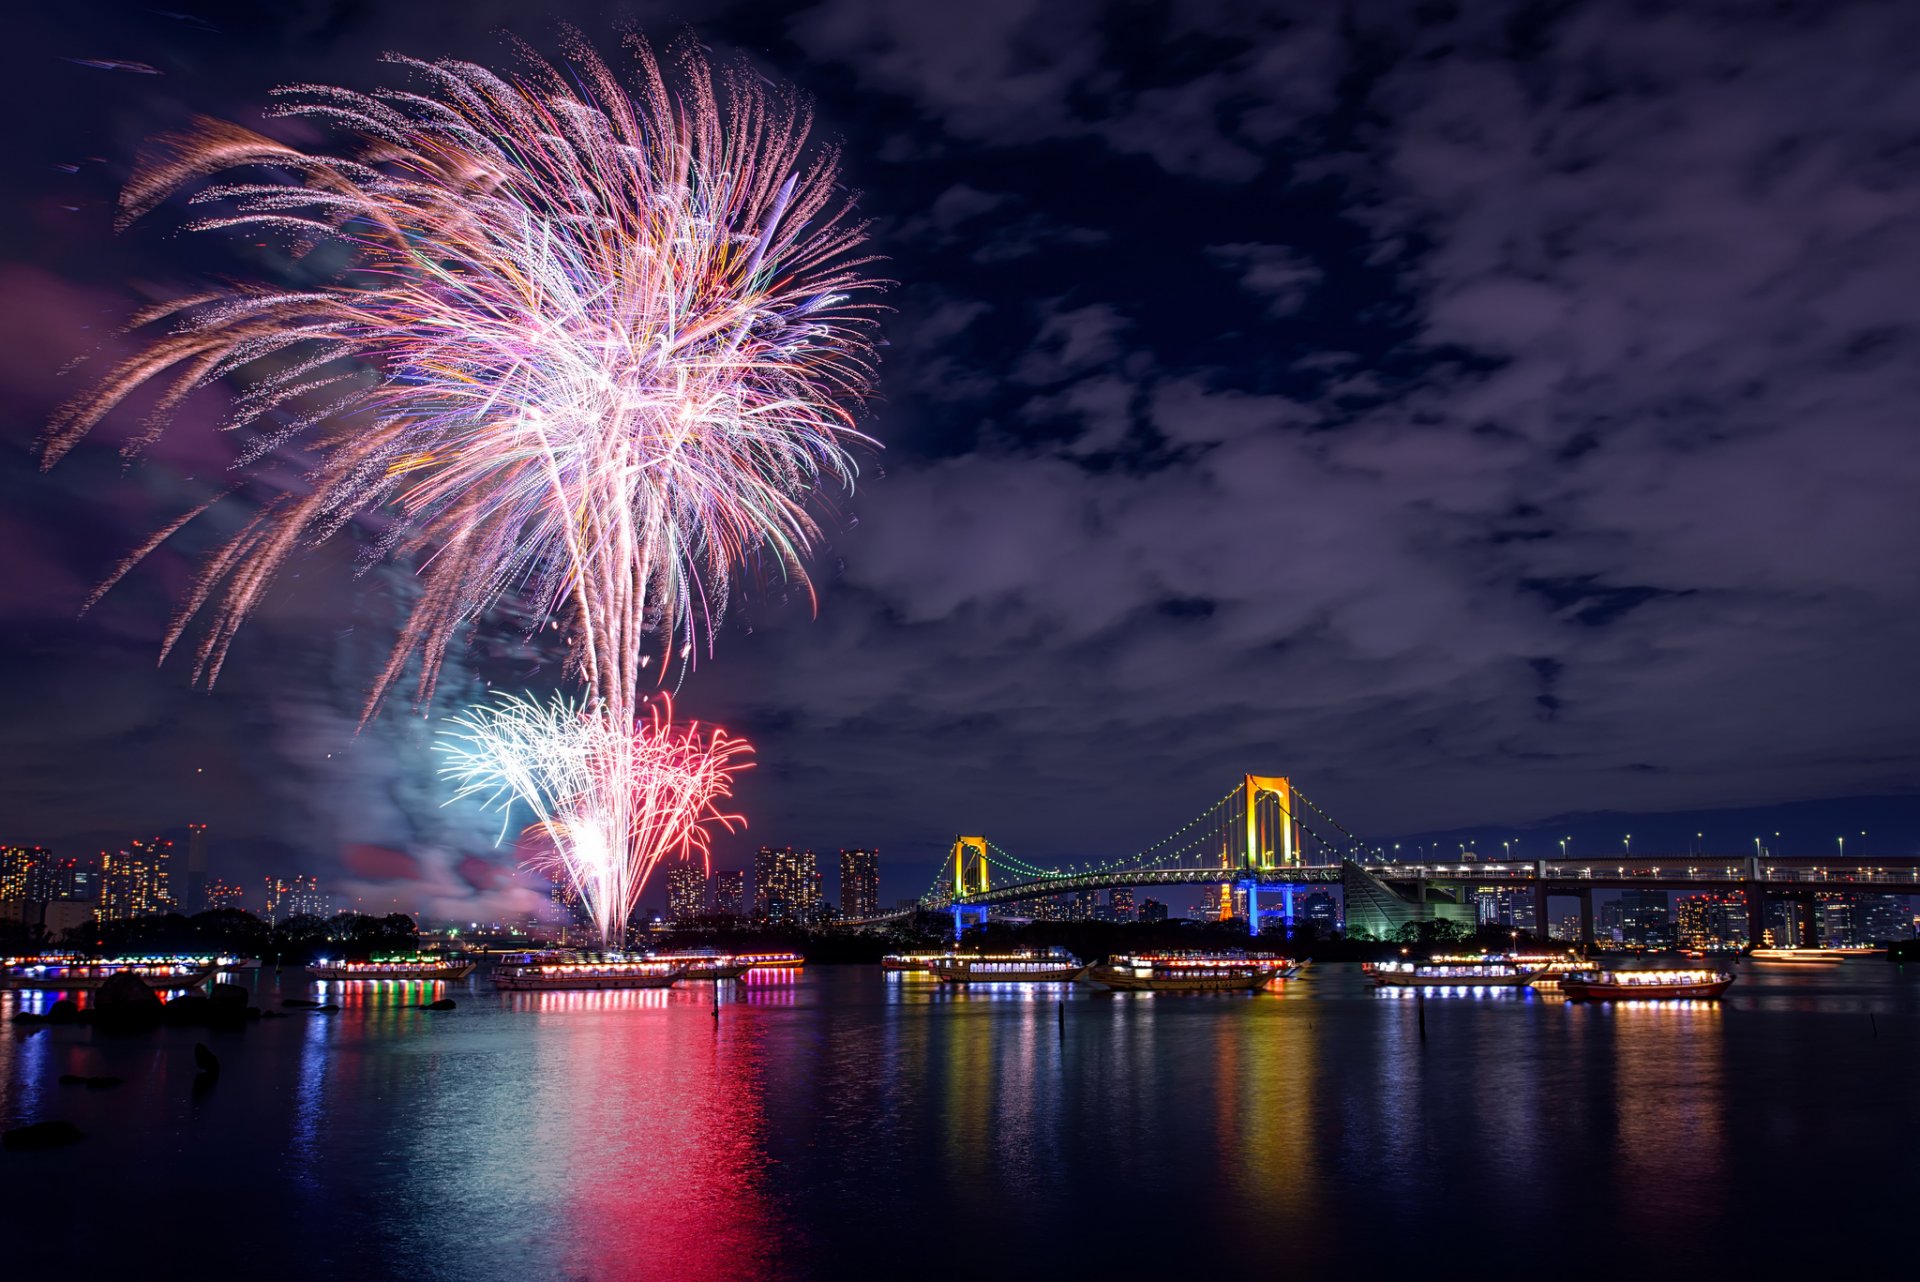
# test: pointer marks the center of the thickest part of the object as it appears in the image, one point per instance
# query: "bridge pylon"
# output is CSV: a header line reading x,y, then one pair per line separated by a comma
x,y
969,877
1271,842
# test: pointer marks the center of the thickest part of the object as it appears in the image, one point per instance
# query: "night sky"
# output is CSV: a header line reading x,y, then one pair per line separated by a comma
x,y
1481,413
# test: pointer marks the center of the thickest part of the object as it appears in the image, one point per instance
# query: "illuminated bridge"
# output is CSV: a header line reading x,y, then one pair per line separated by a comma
x,y
1265,838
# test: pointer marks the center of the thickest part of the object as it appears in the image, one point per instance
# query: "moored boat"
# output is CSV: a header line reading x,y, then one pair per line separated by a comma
x,y
398,968
1698,984
1055,966
1448,974
771,961
910,963
706,965
534,973
1191,972
70,974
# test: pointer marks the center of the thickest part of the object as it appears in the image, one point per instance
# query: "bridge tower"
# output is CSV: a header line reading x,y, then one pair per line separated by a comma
x,y
1271,842
969,878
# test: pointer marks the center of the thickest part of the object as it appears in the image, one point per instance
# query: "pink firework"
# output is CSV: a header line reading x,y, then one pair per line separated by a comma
x,y
609,803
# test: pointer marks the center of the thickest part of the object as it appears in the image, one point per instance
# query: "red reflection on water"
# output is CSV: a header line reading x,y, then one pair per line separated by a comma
x,y
661,1114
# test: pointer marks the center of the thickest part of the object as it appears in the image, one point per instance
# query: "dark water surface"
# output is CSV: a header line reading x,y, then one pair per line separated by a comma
x,y
851,1125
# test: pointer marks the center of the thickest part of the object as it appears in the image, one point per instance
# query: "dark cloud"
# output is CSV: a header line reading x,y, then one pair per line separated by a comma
x,y
1479,413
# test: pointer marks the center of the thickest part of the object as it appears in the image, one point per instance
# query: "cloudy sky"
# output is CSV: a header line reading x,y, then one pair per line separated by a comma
x,y
1480,413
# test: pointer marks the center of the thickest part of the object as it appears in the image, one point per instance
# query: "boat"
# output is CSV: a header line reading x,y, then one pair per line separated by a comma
x,y
910,963
707,965
1055,966
771,961
540,974
397,968
1448,974
1699,984
1192,972
71,974
1803,956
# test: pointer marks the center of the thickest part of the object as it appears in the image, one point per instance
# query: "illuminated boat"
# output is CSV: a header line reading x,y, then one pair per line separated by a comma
x,y
58,973
1804,956
1192,972
911,963
706,964
548,974
1448,974
1055,966
1645,985
771,961
408,968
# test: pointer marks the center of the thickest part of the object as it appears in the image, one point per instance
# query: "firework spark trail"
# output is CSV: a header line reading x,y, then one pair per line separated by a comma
x,y
610,805
590,343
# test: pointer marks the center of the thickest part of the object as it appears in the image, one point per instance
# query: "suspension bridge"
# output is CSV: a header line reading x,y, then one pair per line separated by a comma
x,y
1262,836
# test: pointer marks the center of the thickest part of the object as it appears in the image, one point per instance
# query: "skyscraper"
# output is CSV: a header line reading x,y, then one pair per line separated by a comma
x,y
196,899
730,892
1152,910
859,883
304,898
1120,900
137,881
27,875
686,891
786,884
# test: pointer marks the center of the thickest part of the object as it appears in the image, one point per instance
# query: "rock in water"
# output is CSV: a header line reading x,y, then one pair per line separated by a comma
x,y
41,1135
206,1059
445,1003
229,995
125,1002
63,1012
299,1003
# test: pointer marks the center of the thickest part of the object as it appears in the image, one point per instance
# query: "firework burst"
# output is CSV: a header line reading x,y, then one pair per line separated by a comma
x,y
609,802
591,341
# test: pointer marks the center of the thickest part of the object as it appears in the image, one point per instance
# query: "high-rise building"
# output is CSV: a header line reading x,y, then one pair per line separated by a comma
x,y
1321,910
859,883
27,875
1835,918
136,881
1120,899
686,891
1884,918
75,879
786,884
304,898
1081,905
1152,910
225,894
196,899
730,892
1643,919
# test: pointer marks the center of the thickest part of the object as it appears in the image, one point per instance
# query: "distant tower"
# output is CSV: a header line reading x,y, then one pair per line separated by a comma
x,y
859,883
730,892
196,900
686,891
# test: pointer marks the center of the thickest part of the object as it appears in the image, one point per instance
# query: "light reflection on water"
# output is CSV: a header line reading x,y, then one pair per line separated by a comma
x,y
836,1119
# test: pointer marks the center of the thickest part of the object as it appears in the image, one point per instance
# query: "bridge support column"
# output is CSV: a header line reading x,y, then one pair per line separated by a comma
x,y
1809,922
1253,908
1756,910
1287,902
1542,910
1586,917
961,913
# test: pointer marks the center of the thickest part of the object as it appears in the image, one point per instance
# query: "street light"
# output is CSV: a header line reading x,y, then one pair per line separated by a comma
x,y
1629,844
1563,846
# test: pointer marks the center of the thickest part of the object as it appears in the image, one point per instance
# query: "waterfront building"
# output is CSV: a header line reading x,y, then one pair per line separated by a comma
x,y
786,884
686,891
730,892
1834,917
859,883
1120,899
136,881
1320,910
1643,919
1884,918
1152,910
